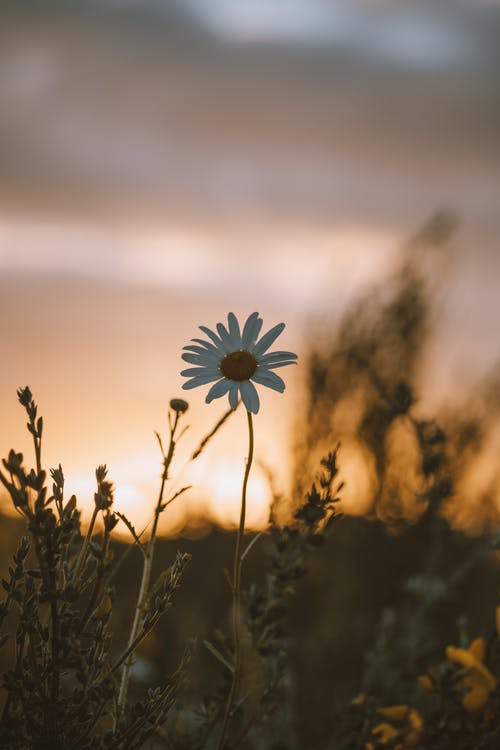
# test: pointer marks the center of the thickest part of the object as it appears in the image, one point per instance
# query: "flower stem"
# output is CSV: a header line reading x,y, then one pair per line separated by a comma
x,y
85,545
146,574
236,587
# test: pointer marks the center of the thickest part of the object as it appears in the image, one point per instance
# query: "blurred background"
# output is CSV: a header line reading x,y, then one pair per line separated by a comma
x,y
165,161
330,163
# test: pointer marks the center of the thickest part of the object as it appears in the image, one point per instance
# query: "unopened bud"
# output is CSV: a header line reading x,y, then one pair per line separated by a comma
x,y
179,405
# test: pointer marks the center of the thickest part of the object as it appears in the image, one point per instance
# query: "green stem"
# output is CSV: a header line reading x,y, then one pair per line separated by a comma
x,y
237,592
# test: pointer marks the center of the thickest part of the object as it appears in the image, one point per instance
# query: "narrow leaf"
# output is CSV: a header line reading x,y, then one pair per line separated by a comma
x,y
218,655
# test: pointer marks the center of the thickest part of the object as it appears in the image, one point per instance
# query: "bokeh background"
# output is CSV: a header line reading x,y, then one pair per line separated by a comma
x,y
330,163
165,161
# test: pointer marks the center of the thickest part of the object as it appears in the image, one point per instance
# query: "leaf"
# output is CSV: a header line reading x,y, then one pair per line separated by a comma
x,y
132,530
228,578
177,494
69,507
215,652
211,434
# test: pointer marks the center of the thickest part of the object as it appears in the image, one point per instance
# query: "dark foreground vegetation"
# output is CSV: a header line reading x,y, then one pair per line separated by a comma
x,y
358,633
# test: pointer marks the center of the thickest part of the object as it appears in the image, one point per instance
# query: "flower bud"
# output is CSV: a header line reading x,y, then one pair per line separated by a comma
x,y
179,405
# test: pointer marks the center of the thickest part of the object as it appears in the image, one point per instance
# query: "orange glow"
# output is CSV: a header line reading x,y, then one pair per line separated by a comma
x,y
476,504
214,479
403,479
357,470
226,482
232,165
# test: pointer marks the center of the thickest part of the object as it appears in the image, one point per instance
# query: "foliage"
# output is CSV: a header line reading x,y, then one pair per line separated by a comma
x,y
422,677
61,689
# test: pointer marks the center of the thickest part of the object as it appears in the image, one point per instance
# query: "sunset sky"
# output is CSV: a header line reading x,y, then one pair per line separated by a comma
x,y
162,163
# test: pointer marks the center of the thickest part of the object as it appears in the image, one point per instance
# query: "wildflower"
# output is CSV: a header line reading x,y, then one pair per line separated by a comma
x,y
394,713
426,683
234,360
403,724
415,727
385,732
477,681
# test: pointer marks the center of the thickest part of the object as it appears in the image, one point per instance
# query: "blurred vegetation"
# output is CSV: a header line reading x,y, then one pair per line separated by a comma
x,y
377,631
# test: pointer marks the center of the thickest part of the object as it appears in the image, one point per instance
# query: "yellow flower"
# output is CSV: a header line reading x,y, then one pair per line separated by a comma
x,y
416,726
478,648
425,683
408,730
478,681
477,696
385,732
394,713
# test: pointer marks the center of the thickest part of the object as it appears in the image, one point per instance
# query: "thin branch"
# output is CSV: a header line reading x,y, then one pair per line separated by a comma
x,y
210,435
147,567
251,544
215,652
132,530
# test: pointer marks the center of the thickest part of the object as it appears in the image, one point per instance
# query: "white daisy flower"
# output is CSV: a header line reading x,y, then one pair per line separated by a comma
x,y
236,360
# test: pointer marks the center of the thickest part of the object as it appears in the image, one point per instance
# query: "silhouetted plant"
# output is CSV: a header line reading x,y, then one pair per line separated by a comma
x,y
426,679
62,688
266,635
67,682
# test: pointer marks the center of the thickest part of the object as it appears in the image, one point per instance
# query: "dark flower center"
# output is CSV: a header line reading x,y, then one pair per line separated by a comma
x,y
239,365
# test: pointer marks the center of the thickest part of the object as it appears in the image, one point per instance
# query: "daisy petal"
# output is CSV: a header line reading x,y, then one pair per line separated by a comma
x,y
199,349
203,360
251,330
233,396
249,396
211,335
194,371
270,379
218,390
275,356
193,359
247,329
278,361
225,337
206,344
274,365
200,380
210,353
234,331
268,339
